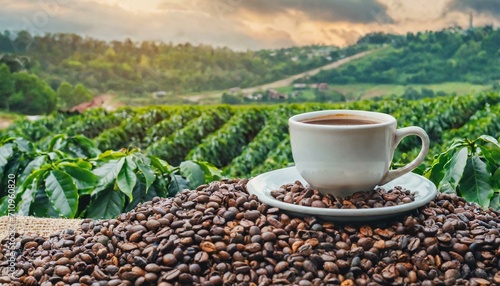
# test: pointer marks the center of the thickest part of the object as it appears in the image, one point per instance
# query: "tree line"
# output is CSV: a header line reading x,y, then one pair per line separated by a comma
x,y
140,68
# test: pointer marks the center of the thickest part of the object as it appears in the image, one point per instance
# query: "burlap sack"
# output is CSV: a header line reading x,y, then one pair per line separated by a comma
x,y
36,226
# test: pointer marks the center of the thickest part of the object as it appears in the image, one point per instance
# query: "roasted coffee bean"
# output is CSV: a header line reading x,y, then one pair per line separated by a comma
x,y
61,270
220,234
252,215
294,194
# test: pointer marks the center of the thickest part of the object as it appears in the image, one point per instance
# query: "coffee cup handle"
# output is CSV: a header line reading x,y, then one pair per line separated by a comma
x,y
400,134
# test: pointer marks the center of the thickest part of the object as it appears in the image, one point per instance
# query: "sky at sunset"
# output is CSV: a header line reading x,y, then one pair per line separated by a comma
x,y
242,24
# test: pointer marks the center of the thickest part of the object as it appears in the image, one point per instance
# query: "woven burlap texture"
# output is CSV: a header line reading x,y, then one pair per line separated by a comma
x,y
43,227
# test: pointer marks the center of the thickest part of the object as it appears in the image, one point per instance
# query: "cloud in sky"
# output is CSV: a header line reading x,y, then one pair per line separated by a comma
x,y
241,24
354,11
489,7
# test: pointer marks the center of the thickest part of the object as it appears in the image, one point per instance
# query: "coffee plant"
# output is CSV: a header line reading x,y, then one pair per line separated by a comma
x,y
471,169
243,141
72,178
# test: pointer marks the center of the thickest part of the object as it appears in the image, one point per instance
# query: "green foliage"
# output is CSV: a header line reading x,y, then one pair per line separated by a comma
x,y
36,130
80,94
470,169
329,96
24,93
269,137
484,121
424,58
279,157
65,94
220,147
69,96
232,98
132,130
169,125
244,140
133,68
29,88
93,122
6,86
13,62
63,182
175,147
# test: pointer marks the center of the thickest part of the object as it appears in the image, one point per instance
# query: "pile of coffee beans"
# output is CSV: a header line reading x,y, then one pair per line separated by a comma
x,y
218,234
297,194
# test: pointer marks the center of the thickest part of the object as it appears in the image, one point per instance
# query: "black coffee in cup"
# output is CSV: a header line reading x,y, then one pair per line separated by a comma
x,y
340,119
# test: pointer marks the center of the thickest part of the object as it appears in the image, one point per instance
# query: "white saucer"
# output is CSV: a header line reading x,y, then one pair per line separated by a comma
x,y
262,185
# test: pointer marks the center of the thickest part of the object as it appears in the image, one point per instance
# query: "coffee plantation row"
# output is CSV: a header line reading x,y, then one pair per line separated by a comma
x,y
99,163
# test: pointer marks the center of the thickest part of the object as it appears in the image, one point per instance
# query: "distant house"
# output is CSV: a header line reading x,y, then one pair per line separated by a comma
x,y
34,117
322,86
299,86
275,95
255,96
158,94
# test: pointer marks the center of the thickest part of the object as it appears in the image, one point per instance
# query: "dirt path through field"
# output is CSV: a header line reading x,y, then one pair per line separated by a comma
x,y
289,80
282,82
4,123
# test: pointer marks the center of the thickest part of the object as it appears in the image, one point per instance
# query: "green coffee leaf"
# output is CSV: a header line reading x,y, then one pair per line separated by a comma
x,y
475,184
84,179
437,171
42,208
110,155
141,196
27,198
489,139
6,152
212,173
24,145
160,164
453,171
495,201
32,165
492,157
148,173
57,142
193,173
62,193
127,178
84,146
177,184
107,174
495,179
106,205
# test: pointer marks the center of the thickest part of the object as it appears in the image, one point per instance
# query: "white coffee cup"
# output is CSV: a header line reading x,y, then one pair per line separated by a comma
x,y
342,159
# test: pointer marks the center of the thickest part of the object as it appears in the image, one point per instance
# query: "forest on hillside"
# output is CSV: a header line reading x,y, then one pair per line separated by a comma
x,y
450,55
57,71
137,68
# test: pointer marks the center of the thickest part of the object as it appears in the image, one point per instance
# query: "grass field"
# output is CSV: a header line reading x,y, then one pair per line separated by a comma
x,y
367,91
351,92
